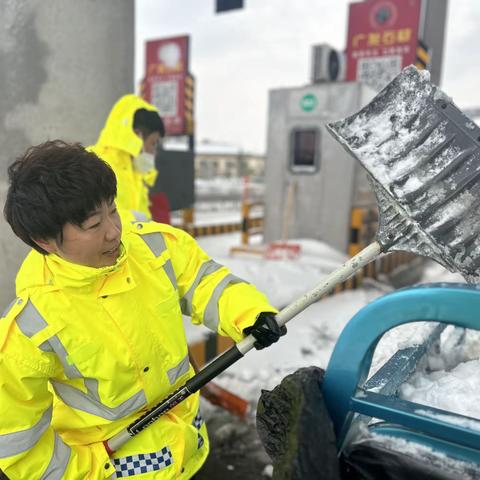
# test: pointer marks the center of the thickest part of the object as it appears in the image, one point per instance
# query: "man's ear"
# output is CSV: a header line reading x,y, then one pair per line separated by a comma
x,y
49,246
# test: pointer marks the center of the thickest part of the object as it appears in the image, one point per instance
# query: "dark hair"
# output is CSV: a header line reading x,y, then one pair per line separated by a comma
x,y
53,184
147,122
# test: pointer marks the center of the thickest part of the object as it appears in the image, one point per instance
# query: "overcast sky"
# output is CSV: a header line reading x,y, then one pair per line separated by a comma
x,y
238,56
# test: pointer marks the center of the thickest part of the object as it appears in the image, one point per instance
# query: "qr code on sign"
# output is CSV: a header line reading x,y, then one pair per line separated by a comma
x,y
164,97
376,72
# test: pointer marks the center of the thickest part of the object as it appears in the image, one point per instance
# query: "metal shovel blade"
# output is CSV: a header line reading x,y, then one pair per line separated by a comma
x,y
423,157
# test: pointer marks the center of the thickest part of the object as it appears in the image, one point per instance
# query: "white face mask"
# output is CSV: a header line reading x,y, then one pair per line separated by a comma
x,y
144,162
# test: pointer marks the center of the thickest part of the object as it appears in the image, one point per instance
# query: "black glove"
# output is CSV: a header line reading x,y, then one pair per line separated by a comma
x,y
265,330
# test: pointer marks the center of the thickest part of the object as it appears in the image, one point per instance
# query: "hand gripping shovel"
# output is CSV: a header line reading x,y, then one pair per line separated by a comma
x,y
423,158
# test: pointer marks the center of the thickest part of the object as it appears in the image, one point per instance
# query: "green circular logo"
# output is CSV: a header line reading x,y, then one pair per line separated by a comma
x,y
308,102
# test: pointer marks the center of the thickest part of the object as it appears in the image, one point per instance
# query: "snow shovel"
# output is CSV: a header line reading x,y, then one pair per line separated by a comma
x,y
423,158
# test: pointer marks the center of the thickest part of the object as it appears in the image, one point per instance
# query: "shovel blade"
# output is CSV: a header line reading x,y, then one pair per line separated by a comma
x,y
423,158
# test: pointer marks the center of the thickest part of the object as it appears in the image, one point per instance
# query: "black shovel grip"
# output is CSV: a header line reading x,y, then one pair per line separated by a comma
x,y
191,386
220,364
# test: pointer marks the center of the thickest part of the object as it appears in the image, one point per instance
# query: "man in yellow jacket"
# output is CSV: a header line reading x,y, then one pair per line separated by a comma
x,y
128,143
95,336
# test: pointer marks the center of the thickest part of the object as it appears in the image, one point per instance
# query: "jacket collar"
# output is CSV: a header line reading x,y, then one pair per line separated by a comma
x,y
68,274
52,272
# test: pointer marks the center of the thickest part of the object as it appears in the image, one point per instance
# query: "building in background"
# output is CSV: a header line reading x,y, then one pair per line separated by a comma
x,y
213,160
219,160
312,184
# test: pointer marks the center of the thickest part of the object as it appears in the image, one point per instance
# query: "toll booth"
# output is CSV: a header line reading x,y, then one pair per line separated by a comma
x,y
312,184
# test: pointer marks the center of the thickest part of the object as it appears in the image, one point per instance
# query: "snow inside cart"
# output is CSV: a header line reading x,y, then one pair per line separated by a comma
x,y
379,434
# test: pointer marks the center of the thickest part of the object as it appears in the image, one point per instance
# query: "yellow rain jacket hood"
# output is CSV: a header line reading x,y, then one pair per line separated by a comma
x,y
118,144
85,351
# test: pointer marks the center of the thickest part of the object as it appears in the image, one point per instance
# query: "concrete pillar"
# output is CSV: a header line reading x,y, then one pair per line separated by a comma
x,y
63,64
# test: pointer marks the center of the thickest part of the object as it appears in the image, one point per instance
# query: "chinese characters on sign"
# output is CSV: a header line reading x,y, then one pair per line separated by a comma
x,y
382,39
166,79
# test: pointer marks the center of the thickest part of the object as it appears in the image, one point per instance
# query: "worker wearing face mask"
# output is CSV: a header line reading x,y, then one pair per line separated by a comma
x,y
128,143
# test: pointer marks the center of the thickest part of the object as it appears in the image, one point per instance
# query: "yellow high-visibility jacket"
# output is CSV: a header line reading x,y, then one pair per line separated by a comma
x,y
117,145
85,351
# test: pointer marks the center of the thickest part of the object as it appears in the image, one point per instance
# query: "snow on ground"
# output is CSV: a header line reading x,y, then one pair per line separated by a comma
x,y
450,381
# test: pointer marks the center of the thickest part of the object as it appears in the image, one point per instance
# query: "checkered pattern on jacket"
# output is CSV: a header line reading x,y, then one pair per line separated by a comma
x,y
143,463
197,423
198,420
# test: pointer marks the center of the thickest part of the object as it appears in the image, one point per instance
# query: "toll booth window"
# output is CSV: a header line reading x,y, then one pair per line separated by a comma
x,y
305,150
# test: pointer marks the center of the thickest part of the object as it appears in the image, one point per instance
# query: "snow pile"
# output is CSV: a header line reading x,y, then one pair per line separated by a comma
x,y
455,390
281,280
450,378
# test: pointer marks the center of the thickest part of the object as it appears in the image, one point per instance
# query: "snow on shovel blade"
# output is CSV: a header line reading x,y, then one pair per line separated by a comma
x,y
423,157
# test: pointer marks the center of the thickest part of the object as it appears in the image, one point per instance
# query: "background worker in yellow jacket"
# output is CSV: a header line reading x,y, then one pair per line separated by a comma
x,y
95,337
128,143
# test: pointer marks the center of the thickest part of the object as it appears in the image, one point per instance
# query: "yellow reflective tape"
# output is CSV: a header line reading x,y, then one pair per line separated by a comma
x,y
160,260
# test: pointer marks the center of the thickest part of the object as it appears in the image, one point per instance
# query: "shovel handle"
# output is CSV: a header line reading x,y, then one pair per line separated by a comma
x,y
223,361
220,396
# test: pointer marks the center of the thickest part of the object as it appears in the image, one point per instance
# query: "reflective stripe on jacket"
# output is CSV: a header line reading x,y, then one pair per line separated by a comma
x,y
117,145
83,351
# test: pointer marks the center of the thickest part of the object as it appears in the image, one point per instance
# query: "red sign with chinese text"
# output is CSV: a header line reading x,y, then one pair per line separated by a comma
x,y
166,68
382,39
